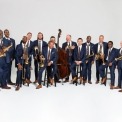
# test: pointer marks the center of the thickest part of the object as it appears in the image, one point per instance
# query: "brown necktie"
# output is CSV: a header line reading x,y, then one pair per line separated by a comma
x,y
48,58
100,51
79,53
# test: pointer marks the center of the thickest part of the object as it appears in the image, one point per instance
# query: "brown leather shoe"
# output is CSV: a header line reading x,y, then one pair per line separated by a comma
x,y
6,87
111,87
17,88
117,87
39,86
11,83
120,90
104,80
51,81
89,82
97,82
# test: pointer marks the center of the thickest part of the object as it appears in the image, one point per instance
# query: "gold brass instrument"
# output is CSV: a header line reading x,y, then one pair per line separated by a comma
x,y
4,49
42,59
36,49
89,56
25,55
98,56
119,58
101,56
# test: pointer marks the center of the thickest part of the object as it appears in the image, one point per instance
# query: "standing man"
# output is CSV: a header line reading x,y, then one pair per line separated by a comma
x,y
30,50
69,46
39,44
111,63
100,49
89,59
10,54
79,59
22,63
119,66
50,55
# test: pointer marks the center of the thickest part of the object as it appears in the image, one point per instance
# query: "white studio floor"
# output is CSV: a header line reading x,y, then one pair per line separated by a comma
x,y
65,103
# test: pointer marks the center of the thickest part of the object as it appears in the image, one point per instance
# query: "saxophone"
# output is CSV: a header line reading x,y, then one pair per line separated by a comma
x,y
4,49
89,56
119,58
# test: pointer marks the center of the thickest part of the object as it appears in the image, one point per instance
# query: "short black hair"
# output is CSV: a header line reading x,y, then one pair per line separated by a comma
x,y
110,42
52,37
80,39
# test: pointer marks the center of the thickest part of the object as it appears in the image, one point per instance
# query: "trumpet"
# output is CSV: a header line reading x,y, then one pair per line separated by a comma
x,y
42,59
119,58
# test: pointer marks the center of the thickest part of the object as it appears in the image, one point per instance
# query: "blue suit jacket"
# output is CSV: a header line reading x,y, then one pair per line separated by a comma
x,y
119,62
105,47
10,54
53,56
112,56
91,50
82,54
35,43
19,54
64,45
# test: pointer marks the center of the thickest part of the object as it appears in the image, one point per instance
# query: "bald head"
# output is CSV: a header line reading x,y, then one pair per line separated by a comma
x,y
101,39
68,38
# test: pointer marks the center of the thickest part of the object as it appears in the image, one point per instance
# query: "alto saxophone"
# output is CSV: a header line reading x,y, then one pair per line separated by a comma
x,y
4,49
119,58
89,56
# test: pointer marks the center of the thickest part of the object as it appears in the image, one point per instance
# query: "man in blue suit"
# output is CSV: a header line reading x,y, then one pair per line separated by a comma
x,y
69,46
111,63
50,55
39,44
10,54
100,49
89,59
119,66
30,49
22,63
79,59
3,71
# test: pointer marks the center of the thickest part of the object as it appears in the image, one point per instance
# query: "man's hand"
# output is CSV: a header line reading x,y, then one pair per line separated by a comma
x,y
110,64
49,64
20,67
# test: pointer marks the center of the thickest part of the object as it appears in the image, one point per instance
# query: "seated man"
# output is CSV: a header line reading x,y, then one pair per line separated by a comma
x,y
79,58
111,63
22,63
50,55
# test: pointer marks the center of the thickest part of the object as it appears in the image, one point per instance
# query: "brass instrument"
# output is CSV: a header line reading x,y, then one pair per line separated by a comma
x,y
99,56
119,58
25,55
42,59
89,56
4,49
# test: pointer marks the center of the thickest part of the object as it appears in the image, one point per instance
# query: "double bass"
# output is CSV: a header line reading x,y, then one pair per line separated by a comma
x,y
62,62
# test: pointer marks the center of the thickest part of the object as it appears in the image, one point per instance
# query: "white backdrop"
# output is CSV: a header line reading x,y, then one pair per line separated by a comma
x,y
76,17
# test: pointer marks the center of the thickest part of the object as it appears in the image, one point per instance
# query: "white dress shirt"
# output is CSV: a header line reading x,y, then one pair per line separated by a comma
x,y
102,50
89,47
40,41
